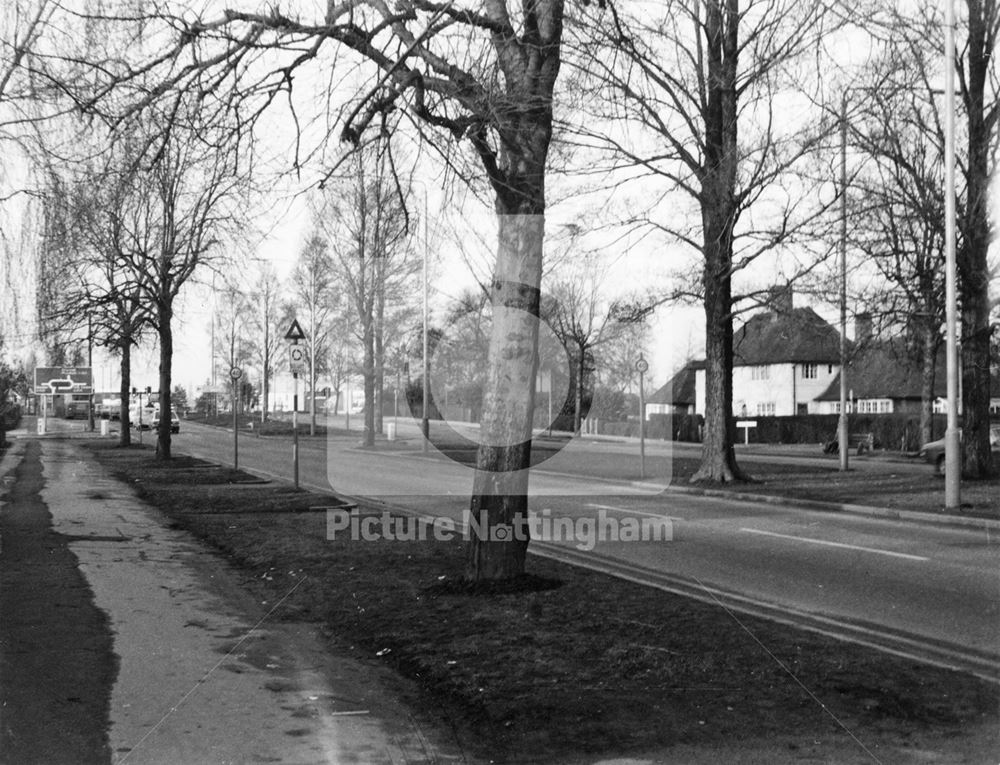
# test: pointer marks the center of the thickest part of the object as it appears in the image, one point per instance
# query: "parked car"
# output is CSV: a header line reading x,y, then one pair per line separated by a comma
x,y
933,452
175,421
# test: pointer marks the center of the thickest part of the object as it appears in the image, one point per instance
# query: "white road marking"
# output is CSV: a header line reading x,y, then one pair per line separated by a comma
x,y
835,544
635,512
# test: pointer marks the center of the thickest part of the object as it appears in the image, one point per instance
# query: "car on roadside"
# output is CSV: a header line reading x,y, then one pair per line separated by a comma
x,y
933,452
175,421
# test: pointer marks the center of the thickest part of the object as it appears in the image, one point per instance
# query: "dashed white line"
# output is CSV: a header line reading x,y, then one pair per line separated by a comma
x,y
809,540
628,510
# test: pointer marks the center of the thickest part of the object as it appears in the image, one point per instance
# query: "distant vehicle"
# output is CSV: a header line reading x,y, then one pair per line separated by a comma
x,y
141,418
175,421
76,409
933,452
108,411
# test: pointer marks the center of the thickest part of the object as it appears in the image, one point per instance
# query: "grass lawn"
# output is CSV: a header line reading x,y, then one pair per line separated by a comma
x,y
587,667
273,427
900,490
889,486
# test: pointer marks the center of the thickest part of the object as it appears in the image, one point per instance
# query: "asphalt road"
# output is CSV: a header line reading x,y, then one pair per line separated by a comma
x,y
923,590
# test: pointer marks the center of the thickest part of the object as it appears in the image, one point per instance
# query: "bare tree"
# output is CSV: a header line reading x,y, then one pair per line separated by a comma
x,y
704,82
194,184
365,220
266,315
234,341
314,290
93,206
912,36
480,77
584,318
896,204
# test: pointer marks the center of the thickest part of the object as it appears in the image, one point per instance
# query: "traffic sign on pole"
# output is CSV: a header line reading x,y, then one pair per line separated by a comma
x,y
295,332
297,359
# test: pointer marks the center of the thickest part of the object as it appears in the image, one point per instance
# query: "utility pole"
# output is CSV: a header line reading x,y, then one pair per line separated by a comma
x,y
426,422
642,366
952,434
843,441
90,363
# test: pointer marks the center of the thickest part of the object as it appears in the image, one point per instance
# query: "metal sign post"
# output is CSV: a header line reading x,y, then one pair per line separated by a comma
x,y
296,361
235,374
642,366
295,430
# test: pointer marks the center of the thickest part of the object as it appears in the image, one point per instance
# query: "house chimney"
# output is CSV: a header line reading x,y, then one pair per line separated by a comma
x,y
780,299
863,327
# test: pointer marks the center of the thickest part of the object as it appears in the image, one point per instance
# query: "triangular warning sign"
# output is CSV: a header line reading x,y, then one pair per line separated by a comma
x,y
295,331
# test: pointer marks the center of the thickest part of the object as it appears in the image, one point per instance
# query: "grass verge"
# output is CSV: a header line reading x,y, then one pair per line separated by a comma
x,y
272,427
593,668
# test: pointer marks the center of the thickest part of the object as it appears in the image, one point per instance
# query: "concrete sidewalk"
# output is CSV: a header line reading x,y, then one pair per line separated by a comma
x,y
204,674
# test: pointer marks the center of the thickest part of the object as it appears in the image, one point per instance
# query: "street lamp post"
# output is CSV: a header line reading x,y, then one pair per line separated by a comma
x,y
952,457
425,422
90,363
842,434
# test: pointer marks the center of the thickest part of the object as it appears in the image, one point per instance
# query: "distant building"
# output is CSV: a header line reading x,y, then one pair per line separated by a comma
x,y
882,378
782,360
677,396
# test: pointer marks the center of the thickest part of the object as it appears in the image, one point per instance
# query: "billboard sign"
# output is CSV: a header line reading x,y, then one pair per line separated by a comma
x,y
49,380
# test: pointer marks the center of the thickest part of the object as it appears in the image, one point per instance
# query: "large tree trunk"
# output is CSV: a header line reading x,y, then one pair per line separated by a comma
x,y
718,215
379,356
368,373
927,374
499,498
312,382
265,383
578,404
973,269
124,391
718,456
166,360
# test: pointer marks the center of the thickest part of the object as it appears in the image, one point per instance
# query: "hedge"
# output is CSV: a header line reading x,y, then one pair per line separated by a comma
x,y
896,432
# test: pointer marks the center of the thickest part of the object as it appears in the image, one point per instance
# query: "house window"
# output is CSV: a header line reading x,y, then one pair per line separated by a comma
x,y
810,371
829,369
760,373
765,409
875,406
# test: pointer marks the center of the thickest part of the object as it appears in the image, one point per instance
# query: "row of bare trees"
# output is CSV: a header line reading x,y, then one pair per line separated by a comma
x,y
128,225
726,106
350,289
896,121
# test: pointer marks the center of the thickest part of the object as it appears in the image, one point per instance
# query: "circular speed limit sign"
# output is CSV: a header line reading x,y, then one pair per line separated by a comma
x,y
236,373
642,366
